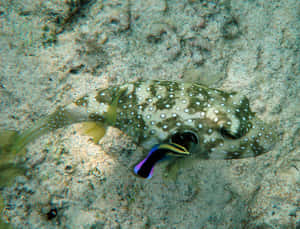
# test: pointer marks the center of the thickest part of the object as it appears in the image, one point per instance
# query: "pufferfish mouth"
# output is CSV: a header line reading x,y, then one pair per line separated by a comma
x,y
185,138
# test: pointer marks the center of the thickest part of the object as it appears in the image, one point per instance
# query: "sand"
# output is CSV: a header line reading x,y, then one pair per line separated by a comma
x,y
55,51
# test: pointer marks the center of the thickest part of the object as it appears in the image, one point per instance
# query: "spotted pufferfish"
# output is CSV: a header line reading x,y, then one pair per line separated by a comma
x,y
168,119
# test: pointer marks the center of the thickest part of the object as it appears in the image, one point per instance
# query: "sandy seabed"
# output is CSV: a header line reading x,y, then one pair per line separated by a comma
x,y
55,51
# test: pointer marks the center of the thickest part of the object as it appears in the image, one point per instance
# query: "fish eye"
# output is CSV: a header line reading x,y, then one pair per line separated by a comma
x,y
186,139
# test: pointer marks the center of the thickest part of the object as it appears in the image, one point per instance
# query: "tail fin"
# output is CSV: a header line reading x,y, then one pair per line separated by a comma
x,y
9,168
60,118
13,144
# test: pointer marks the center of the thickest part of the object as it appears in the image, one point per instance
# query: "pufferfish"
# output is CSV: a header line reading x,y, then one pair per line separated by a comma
x,y
168,119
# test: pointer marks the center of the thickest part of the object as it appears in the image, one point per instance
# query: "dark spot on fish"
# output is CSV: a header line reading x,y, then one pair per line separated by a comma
x,y
170,87
165,103
96,117
168,123
233,155
153,90
229,135
83,101
107,95
257,149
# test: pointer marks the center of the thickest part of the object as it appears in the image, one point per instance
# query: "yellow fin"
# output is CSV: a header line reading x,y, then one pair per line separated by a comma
x,y
9,147
94,129
10,166
7,139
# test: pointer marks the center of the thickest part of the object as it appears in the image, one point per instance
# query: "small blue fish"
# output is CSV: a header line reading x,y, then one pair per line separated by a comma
x,y
158,152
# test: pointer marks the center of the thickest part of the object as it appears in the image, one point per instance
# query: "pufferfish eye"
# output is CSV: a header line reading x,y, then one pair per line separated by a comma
x,y
186,139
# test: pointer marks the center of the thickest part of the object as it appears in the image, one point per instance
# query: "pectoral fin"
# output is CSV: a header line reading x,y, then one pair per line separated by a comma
x,y
93,129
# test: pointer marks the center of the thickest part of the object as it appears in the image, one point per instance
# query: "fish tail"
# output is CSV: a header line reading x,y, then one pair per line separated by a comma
x,y
13,143
9,167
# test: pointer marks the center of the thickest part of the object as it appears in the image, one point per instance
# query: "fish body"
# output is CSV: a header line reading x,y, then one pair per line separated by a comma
x,y
208,123
153,112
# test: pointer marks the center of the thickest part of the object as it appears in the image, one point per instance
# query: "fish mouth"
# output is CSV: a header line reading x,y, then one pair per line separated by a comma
x,y
187,139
